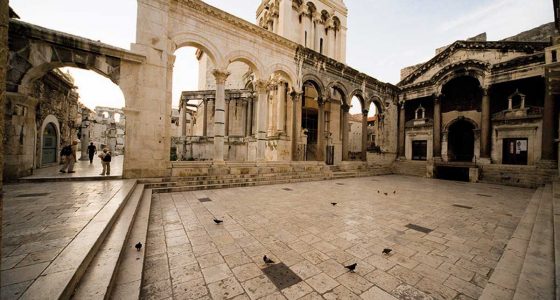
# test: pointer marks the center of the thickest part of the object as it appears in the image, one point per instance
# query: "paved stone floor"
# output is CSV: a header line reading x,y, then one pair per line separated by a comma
x,y
190,257
82,168
40,220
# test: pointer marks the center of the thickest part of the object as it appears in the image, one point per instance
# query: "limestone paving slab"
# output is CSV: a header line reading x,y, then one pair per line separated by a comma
x,y
315,240
38,229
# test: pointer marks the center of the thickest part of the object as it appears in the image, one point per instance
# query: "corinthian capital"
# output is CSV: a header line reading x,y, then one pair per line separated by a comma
x,y
260,85
220,75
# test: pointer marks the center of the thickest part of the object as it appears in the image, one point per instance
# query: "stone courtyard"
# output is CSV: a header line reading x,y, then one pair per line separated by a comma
x,y
188,256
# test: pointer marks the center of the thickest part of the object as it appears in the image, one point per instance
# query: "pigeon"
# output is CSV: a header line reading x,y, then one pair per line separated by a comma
x,y
218,221
385,194
394,192
378,191
334,203
138,246
386,251
267,260
351,267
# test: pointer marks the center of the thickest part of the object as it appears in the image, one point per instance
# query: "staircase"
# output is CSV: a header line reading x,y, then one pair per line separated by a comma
x,y
409,167
87,267
527,268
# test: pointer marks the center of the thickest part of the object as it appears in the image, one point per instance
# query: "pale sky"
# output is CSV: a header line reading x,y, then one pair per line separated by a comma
x,y
383,35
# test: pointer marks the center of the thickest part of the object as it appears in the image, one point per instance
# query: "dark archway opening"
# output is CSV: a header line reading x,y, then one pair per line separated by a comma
x,y
50,142
310,119
461,141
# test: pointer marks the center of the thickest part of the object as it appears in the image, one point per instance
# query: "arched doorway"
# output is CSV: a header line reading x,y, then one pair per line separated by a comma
x,y
48,149
461,141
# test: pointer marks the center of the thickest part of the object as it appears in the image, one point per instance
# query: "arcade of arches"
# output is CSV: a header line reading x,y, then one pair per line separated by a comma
x,y
466,107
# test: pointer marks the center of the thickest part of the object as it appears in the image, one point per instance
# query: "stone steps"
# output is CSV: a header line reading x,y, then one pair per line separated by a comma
x,y
100,274
59,279
503,281
527,267
536,280
412,168
232,179
128,281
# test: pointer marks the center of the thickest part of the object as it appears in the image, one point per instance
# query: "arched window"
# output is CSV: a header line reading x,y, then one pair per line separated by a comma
x,y
321,46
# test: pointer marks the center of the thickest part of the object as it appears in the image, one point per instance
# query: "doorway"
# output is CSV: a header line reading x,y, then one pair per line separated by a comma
x,y
49,145
461,141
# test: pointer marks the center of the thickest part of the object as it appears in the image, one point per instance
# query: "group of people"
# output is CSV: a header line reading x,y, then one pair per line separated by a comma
x,y
68,155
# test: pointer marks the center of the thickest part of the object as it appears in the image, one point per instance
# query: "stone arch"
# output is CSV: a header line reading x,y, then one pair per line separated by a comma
x,y
189,39
243,56
50,119
471,68
378,102
461,118
284,70
316,81
311,7
361,97
341,89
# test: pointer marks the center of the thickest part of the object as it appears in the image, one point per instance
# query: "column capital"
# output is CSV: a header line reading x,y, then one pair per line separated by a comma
x,y
296,96
345,107
364,112
437,97
485,90
260,85
220,75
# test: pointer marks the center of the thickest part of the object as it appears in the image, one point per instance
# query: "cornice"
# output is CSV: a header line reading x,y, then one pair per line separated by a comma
x,y
239,23
527,47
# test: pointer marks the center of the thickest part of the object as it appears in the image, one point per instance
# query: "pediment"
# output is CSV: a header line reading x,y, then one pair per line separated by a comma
x,y
467,55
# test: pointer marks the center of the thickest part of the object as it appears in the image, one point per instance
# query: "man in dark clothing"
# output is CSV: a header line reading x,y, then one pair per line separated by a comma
x,y
91,150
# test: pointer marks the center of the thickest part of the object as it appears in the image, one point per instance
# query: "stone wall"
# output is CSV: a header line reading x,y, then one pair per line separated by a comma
x,y
52,101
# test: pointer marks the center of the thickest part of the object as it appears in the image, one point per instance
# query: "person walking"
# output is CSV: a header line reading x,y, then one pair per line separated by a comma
x,y
91,151
68,155
105,161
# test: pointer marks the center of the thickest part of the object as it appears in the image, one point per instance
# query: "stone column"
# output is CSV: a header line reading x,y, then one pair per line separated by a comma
x,y
272,96
401,129
485,125
227,116
249,117
261,88
364,135
548,126
437,126
320,130
220,76
296,97
281,108
345,108
184,117
205,118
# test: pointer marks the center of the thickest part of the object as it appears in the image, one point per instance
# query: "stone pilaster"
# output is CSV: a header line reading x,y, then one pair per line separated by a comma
x,y
485,125
401,129
281,108
548,126
219,114
437,126
345,139
364,135
261,88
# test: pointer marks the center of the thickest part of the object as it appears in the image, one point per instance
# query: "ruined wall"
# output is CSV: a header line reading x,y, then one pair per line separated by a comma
x,y
52,100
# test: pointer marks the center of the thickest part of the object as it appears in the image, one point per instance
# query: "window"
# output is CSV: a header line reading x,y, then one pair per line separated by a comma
x,y
514,151
305,42
419,150
554,56
321,46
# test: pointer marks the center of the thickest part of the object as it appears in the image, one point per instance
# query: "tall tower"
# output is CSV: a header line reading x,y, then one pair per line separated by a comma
x,y
316,24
